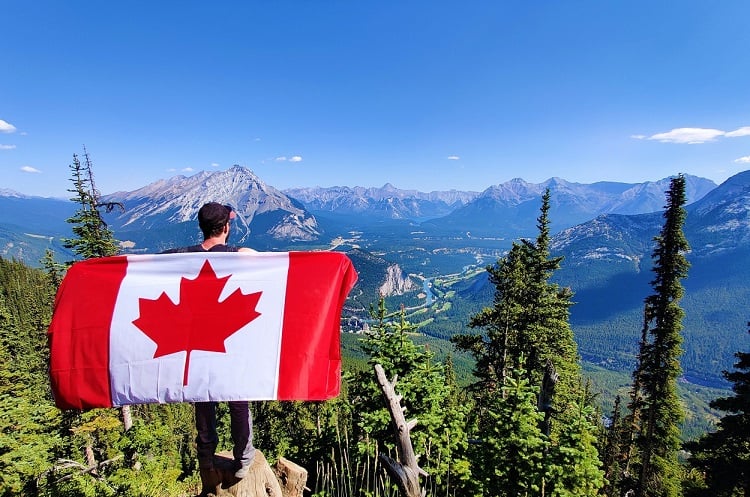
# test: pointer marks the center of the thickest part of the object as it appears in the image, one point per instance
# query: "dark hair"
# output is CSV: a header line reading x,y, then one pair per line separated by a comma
x,y
212,218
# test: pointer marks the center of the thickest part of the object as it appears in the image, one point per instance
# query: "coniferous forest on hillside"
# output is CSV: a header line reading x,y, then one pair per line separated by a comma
x,y
524,423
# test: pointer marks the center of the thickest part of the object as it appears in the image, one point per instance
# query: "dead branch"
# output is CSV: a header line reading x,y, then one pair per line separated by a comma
x,y
407,472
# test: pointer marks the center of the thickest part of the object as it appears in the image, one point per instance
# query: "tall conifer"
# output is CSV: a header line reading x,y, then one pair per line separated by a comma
x,y
529,318
656,412
92,236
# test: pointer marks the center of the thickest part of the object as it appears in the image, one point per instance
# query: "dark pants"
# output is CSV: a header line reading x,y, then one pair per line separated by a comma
x,y
207,439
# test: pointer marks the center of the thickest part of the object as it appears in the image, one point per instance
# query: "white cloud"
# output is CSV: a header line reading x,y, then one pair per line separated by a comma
x,y
7,147
187,169
454,157
215,164
280,159
296,158
743,131
6,127
743,160
29,169
171,170
688,135
694,135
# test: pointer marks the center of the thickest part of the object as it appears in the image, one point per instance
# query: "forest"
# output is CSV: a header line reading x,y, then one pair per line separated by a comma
x,y
526,424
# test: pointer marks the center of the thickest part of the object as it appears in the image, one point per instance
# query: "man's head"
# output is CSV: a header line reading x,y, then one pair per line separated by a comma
x,y
213,218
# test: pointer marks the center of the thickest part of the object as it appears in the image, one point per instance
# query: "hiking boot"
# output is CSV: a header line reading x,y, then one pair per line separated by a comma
x,y
243,468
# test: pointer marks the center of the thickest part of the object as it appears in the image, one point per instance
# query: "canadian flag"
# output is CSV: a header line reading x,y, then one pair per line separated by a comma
x,y
199,326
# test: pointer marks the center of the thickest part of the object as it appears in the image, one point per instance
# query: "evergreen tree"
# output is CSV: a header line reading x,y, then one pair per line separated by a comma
x,y
656,412
29,439
529,343
511,458
92,236
573,467
439,437
612,450
529,318
724,455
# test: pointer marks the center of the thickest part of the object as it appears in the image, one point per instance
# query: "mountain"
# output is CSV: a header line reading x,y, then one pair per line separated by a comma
x,y
387,202
510,209
164,213
608,265
30,225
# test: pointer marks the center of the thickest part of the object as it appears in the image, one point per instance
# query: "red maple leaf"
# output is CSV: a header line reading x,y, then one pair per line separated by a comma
x,y
199,321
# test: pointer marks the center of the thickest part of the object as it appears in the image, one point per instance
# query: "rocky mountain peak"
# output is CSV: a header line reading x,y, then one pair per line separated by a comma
x,y
177,200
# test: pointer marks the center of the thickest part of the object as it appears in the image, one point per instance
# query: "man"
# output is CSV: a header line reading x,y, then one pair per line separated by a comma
x,y
214,221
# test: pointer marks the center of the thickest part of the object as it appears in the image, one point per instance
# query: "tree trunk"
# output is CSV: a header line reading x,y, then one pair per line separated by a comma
x,y
127,418
221,482
291,476
407,472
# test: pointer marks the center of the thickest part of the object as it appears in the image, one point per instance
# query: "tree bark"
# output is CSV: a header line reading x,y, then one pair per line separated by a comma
x,y
292,477
407,472
127,418
221,482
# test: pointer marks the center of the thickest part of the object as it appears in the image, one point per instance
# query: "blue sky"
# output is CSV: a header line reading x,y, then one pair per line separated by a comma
x,y
427,95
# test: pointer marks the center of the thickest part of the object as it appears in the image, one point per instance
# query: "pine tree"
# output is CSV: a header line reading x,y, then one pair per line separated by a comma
x,y
511,458
724,455
92,236
612,450
573,467
439,437
29,438
529,318
529,344
656,412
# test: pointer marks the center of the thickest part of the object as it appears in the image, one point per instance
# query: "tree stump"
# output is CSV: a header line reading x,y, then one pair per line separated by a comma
x,y
221,482
291,476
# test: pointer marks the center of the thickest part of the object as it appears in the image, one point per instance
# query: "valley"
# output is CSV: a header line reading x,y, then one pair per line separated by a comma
x,y
403,243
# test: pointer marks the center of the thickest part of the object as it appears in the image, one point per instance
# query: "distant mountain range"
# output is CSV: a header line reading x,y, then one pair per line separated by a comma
x,y
507,209
162,214
387,202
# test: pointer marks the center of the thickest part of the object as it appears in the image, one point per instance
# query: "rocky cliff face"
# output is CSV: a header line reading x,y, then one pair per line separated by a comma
x,y
396,283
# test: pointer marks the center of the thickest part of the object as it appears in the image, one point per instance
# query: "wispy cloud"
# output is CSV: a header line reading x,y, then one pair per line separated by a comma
x,y
29,169
743,160
171,170
284,158
6,127
215,164
743,131
692,136
187,169
454,157
7,147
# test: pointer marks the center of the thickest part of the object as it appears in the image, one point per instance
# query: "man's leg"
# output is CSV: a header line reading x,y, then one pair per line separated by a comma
x,y
242,435
207,439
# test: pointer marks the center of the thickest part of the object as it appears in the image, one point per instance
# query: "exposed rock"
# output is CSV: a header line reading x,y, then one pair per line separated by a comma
x,y
396,283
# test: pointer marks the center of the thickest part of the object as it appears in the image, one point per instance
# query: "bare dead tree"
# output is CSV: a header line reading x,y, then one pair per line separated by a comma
x,y
407,471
